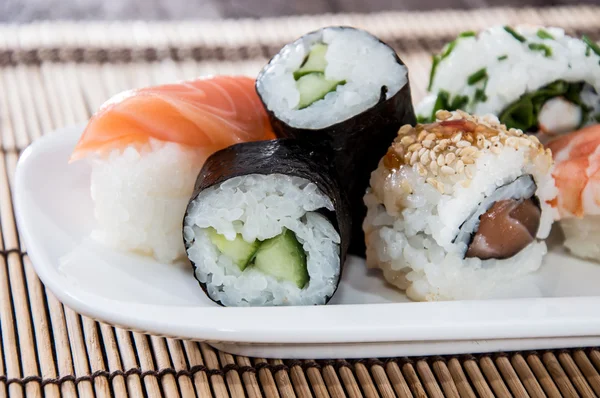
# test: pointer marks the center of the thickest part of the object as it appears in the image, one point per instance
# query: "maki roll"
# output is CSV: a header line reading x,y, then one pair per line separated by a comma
x,y
535,79
344,89
458,207
267,225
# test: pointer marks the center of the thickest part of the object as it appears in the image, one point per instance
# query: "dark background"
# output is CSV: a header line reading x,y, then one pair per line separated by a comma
x,y
31,10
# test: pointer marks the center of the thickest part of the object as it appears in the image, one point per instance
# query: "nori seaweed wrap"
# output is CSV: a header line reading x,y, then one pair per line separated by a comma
x,y
343,89
268,224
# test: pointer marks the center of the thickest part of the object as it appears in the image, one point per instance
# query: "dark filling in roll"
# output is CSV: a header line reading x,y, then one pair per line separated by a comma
x,y
506,229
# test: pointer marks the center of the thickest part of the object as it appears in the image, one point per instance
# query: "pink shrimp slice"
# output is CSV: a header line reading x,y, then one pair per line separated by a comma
x,y
577,172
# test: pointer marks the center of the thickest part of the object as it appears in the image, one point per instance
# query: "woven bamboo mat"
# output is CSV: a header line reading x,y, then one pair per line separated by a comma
x,y
53,75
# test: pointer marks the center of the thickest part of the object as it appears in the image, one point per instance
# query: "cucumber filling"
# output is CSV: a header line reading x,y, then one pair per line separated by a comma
x,y
310,77
281,257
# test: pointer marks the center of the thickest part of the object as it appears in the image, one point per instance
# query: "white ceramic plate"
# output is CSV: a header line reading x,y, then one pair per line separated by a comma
x,y
558,306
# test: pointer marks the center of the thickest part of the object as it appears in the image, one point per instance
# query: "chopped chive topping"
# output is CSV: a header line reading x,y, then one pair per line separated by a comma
x,y
480,95
595,48
502,57
468,33
542,34
477,76
514,34
541,47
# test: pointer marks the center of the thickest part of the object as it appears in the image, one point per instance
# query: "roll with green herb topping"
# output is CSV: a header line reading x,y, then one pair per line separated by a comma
x,y
344,89
535,79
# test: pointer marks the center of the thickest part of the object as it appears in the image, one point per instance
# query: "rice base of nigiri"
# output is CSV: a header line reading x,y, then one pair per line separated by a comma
x,y
140,195
582,236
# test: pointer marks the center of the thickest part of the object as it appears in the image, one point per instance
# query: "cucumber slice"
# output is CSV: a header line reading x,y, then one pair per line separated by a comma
x,y
313,87
283,258
238,250
315,61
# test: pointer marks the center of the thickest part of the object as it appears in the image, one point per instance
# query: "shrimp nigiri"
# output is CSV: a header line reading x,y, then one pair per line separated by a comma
x,y
577,176
146,148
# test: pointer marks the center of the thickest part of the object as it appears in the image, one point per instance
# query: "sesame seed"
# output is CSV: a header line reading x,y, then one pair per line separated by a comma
x,y
437,148
456,137
496,150
495,138
433,167
422,135
468,173
421,170
424,158
525,142
534,139
512,142
468,151
448,170
413,158
463,143
427,143
459,167
444,142
421,151
405,129
467,160
450,157
440,160
432,155
430,137
415,147
436,184
407,140
442,115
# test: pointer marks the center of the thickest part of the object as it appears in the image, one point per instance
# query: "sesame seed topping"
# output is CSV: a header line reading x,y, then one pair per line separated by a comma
x,y
422,135
424,158
413,158
433,167
440,160
450,157
427,143
443,115
468,173
436,184
448,170
459,167
407,140
414,147
463,143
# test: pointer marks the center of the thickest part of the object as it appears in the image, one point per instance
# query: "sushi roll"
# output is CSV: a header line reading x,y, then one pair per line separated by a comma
x,y
342,88
577,175
267,225
459,207
146,147
532,78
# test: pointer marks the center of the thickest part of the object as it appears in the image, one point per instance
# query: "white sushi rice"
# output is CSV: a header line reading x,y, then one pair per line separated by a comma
x,y
523,71
140,195
410,226
260,207
582,236
353,55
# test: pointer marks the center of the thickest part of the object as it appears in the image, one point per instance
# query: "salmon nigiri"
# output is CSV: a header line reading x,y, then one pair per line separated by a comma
x,y
210,113
146,148
577,176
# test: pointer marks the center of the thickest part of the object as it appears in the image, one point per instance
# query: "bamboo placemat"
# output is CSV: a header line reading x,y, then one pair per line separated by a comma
x,y
53,75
